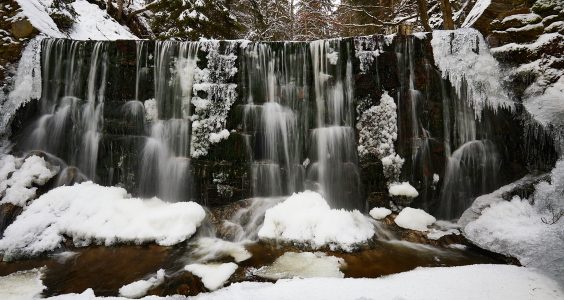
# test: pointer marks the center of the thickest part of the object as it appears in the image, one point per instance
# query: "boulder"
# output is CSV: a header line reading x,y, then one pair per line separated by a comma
x,y
22,29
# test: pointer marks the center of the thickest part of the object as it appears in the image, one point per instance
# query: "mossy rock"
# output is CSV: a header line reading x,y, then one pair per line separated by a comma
x,y
548,7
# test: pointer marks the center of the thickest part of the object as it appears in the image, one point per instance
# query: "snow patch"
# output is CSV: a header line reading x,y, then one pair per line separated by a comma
x,y
379,213
92,23
213,275
414,219
38,14
307,218
140,288
90,213
302,265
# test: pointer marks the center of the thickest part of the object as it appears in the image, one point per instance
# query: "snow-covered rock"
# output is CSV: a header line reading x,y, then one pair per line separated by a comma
x,y
307,218
379,213
90,213
213,275
529,232
18,189
414,219
139,288
403,189
302,265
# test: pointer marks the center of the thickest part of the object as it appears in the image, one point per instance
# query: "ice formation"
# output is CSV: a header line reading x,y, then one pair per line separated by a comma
x,y
213,275
89,213
210,116
302,265
414,219
27,84
464,59
23,285
212,248
377,133
139,288
306,218
367,49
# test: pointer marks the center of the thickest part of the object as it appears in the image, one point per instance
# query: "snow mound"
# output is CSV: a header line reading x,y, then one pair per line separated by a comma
x,y
89,213
18,188
403,189
213,275
461,283
212,248
414,219
302,265
139,288
23,285
307,218
379,213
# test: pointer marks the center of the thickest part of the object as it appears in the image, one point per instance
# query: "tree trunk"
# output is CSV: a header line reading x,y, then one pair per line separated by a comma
x,y
108,4
423,15
120,9
448,23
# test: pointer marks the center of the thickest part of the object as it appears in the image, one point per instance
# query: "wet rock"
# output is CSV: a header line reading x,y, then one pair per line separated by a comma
x,y
70,176
8,214
182,283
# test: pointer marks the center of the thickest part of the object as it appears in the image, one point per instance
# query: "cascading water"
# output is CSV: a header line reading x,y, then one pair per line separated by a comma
x,y
333,143
165,166
70,110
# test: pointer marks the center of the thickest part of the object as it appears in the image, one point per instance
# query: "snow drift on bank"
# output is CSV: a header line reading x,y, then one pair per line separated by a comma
x,y
529,232
467,282
307,218
89,213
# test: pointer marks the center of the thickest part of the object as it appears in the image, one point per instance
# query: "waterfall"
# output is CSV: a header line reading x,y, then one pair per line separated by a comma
x,y
165,166
71,121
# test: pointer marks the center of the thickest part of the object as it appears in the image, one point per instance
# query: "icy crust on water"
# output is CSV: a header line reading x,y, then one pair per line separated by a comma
x,y
23,285
464,58
89,213
302,265
17,177
306,218
139,288
528,232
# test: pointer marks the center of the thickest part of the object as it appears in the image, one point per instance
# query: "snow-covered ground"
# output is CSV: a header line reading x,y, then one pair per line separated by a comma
x,y
474,282
89,213
307,218
528,232
90,23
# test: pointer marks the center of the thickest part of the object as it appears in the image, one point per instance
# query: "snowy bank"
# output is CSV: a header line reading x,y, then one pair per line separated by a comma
x,y
467,282
90,213
306,218
22,285
528,232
